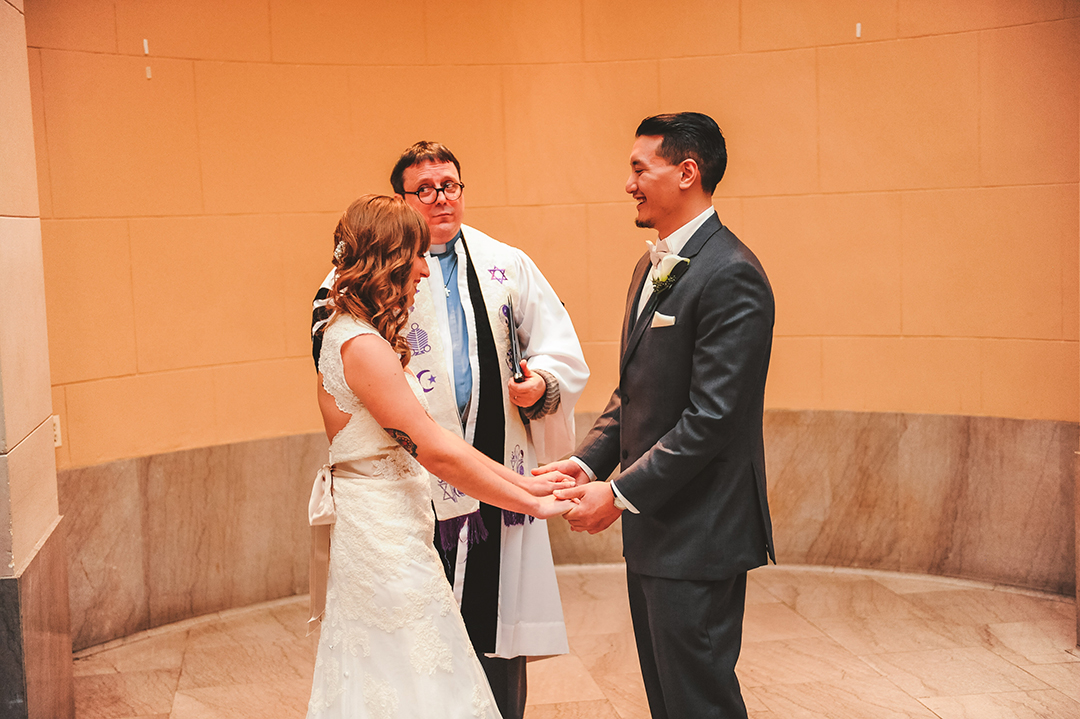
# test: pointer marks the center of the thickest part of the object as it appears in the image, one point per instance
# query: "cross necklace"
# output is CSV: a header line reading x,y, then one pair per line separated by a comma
x,y
450,275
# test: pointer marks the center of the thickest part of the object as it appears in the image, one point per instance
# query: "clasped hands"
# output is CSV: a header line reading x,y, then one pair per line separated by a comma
x,y
593,508
588,506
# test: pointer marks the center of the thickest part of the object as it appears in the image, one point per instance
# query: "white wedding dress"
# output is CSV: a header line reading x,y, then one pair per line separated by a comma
x,y
393,644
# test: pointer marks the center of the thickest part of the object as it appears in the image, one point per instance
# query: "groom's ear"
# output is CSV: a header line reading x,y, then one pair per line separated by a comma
x,y
689,174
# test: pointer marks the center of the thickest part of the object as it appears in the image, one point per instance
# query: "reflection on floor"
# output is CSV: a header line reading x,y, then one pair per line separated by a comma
x,y
817,643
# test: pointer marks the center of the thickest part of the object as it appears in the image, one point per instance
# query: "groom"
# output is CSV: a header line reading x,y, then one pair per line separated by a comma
x,y
685,426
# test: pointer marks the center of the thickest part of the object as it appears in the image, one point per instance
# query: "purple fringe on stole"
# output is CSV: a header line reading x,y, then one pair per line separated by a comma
x,y
511,519
450,530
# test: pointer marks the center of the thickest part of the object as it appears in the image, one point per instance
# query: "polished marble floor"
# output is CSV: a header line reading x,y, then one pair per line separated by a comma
x,y
842,644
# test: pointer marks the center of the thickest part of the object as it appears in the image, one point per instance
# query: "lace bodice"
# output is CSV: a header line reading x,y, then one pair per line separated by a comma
x,y
362,437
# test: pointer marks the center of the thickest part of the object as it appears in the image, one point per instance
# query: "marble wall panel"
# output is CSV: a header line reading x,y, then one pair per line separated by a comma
x,y
163,538
46,631
568,547
35,636
304,455
258,533
103,512
269,521
12,674
227,526
989,498
832,479
188,507
975,497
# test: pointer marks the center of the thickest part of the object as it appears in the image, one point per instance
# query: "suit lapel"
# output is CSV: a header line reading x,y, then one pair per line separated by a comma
x,y
632,334
641,273
645,319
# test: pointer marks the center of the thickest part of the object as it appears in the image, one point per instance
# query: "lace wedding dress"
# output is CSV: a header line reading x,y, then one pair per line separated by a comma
x,y
393,644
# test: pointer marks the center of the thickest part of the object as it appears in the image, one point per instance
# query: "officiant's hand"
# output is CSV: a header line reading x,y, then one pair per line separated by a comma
x,y
568,467
595,510
544,483
528,391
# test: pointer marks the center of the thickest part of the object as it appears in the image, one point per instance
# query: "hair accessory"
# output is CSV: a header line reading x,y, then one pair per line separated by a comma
x,y
339,252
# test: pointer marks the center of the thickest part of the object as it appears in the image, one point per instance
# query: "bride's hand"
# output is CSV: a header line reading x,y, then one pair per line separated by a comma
x,y
541,485
549,507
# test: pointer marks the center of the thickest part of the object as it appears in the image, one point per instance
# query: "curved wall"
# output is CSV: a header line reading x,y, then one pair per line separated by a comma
x,y
972,497
912,191
162,538
911,188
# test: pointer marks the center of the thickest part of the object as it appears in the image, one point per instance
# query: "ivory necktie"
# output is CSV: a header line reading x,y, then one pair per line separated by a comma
x,y
657,250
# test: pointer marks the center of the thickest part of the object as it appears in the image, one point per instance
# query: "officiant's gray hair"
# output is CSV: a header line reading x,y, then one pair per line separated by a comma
x,y
690,135
418,154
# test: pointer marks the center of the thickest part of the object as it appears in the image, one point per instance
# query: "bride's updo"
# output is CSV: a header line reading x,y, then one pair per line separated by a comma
x,y
375,243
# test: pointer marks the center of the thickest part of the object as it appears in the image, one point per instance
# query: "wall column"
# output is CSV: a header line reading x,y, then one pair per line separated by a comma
x,y
35,637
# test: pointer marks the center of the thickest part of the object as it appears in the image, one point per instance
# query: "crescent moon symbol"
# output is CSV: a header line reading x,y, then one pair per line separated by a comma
x,y
430,382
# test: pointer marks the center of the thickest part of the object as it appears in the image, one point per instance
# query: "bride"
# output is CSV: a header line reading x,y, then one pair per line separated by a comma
x,y
393,643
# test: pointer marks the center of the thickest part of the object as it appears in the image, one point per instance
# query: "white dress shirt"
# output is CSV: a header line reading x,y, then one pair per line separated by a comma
x,y
675,242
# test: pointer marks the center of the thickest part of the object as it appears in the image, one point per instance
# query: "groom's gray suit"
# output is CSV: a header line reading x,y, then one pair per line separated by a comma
x,y
685,426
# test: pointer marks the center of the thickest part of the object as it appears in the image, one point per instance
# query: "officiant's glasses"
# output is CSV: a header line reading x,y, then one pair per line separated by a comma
x,y
428,194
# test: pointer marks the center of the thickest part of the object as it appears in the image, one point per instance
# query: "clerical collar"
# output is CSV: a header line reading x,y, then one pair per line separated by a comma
x,y
437,250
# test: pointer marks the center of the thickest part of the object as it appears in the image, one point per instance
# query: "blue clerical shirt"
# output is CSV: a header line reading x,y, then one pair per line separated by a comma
x,y
459,330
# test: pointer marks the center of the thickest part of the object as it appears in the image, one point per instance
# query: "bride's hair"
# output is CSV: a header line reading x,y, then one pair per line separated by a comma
x,y
375,244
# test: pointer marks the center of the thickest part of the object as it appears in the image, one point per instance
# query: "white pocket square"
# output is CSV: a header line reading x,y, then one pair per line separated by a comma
x,y
662,320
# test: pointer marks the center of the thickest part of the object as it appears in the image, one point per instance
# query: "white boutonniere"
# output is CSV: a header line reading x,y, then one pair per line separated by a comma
x,y
670,268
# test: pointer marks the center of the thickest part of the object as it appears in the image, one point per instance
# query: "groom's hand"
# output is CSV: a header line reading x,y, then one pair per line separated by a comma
x,y
568,467
595,510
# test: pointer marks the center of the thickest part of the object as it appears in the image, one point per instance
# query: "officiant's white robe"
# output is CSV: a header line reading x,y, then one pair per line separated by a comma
x,y
530,621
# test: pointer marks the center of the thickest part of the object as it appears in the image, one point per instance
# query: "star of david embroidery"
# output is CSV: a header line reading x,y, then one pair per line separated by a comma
x,y
449,491
498,274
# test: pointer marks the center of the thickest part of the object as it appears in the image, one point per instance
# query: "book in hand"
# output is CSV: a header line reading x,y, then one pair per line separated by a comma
x,y
515,347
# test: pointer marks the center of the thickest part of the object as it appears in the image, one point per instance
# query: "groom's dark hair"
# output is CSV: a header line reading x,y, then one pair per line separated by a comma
x,y
418,154
693,136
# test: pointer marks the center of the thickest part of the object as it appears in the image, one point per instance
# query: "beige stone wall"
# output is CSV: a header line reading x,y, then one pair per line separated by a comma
x,y
911,188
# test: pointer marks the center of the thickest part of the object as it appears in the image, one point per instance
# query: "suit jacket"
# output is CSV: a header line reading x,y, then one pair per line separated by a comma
x,y
685,422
